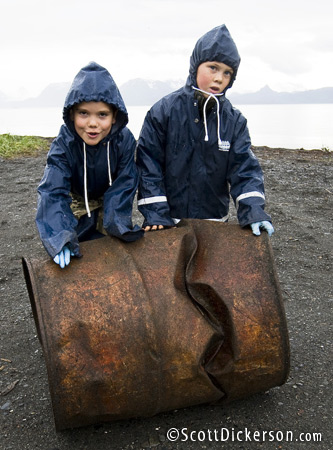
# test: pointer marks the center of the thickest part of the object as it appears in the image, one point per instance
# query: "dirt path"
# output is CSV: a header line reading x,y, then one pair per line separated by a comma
x,y
299,189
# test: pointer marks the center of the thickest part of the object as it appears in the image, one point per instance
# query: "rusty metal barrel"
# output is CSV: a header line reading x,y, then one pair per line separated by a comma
x,y
182,317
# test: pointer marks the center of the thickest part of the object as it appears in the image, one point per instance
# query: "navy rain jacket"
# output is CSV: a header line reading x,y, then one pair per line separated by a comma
x,y
64,172
181,174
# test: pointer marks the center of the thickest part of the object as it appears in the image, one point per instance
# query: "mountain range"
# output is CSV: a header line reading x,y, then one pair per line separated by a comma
x,y
141,92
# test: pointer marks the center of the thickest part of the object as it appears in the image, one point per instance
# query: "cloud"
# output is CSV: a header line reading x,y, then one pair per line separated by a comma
x,y
281,43
323,43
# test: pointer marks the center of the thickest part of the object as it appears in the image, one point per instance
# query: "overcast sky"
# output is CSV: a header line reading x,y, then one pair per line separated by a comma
x,y
286,44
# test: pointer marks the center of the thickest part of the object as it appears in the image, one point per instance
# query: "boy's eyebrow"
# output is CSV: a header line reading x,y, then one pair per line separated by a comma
x,y
79,108
104,111
216,63
82,109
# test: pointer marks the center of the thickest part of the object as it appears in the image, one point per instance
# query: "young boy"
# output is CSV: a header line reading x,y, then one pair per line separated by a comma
x,y
194,145
90,169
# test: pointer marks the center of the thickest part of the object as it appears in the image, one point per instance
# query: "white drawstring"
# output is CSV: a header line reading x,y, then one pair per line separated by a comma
x,y
109,168
85,179
214,96
85,174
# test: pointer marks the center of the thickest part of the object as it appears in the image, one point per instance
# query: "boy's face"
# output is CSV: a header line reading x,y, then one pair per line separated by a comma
x,y
93,121
213,77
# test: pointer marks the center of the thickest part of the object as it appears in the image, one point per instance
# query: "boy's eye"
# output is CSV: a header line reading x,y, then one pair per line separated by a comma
x,y
227,73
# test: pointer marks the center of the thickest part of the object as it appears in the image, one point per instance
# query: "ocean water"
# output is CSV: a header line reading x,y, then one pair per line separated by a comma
x,y
288,126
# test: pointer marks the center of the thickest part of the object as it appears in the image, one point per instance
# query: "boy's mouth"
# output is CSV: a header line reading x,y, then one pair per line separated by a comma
x,y
92,135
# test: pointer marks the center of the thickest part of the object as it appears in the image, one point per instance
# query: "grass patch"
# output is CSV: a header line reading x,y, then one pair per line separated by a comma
x,y
12,146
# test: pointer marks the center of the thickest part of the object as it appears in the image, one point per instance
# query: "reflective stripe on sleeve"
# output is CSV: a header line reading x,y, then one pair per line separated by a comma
x,y
149,200
247,195
223,219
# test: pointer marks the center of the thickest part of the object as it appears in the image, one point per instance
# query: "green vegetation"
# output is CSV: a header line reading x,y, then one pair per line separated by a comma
x,y
12,146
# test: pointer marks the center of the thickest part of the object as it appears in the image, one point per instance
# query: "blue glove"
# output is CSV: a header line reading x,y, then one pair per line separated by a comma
x,y
63,258
264,225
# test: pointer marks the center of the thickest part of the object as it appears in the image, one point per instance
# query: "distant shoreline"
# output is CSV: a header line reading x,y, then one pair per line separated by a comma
x,y
141,92
255,148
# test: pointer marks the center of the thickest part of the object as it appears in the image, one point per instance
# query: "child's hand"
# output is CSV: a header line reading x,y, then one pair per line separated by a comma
x,y
153,227
267,226
63,258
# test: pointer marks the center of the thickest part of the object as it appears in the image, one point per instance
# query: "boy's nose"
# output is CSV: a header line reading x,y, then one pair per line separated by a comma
x,y
92,122
219,77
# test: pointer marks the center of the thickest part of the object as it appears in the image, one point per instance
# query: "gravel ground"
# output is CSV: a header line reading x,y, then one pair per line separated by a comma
x,y
299,189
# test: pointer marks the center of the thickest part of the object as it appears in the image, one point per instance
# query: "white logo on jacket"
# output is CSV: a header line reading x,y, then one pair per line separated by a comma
x,y
224,146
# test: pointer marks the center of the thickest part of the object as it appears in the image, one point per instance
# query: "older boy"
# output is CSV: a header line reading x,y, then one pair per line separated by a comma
x,y
194,145
90,170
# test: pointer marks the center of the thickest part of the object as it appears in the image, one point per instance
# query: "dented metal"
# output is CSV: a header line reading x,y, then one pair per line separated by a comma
x,y
184,316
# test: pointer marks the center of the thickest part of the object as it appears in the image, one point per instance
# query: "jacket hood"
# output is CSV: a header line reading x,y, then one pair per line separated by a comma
x,y
94,83
216,45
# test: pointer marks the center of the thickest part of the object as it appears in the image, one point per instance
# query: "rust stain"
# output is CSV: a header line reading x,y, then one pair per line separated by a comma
x,y
185,316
